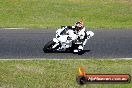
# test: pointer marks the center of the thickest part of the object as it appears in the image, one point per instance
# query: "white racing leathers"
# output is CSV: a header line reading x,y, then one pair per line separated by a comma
x,y
83,36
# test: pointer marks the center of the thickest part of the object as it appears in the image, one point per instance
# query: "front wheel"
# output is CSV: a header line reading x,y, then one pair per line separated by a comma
x,y
48,47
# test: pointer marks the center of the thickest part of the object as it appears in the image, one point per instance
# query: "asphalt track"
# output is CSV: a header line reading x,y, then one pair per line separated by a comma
x,y
28,44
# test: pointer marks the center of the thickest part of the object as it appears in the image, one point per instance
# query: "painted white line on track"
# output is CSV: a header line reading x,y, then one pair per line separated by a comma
x,y
125,58
69,59
14,28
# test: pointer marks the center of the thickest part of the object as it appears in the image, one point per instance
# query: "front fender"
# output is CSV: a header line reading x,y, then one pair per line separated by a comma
x,y
55,40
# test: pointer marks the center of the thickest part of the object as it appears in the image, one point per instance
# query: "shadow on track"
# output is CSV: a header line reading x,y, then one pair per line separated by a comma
x,y
83,52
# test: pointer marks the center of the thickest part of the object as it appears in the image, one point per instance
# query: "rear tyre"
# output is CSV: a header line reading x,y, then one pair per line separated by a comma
x,y
80,52
48,47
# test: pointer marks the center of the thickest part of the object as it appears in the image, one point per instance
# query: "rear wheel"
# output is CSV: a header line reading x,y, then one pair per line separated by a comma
x,y
75,47
48,47
80,52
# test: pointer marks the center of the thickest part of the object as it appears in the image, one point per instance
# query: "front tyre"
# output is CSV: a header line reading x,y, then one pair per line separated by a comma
x,y
48,47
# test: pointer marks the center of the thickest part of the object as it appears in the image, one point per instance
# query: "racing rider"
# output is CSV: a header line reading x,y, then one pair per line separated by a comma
x,y
80,32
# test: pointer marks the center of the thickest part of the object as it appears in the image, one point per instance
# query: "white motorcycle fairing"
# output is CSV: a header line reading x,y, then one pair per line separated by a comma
x,y
67,39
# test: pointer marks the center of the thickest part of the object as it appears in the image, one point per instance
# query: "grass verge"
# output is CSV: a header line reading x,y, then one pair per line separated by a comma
x,y
58,73
54,13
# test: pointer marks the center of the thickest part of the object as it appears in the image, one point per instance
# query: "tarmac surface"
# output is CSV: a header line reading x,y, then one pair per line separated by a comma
x,y
29,43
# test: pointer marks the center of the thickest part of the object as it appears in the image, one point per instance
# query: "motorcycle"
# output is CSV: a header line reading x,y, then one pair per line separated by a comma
x,y
66,40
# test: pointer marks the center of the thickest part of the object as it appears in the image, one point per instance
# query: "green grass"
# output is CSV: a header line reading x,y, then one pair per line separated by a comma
x,y
58,73
54,13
